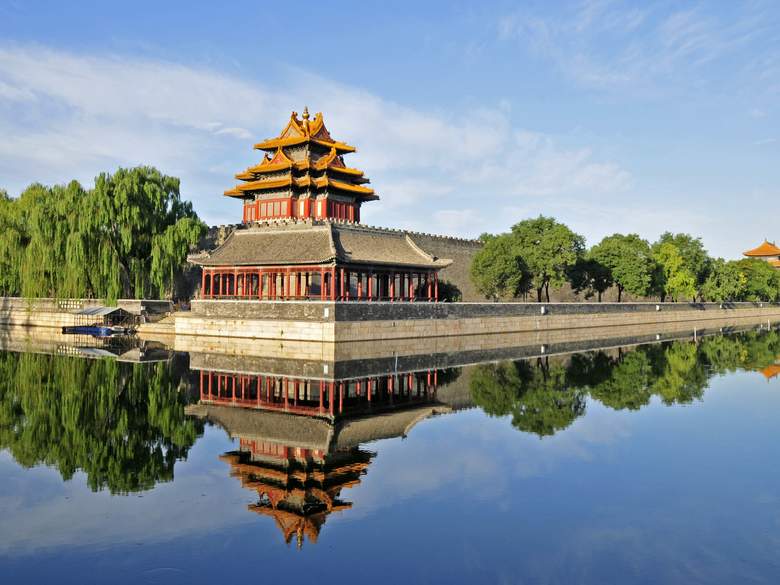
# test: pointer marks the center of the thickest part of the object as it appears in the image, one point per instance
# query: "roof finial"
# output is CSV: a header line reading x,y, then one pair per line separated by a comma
x,y
306,120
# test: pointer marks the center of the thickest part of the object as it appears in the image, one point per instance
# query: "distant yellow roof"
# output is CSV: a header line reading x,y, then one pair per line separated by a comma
x,y
771,371
764,250
775,263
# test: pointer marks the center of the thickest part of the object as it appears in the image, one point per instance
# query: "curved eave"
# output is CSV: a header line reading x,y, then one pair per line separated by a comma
x,y
422,265
336,184
275,143
227,265
254,173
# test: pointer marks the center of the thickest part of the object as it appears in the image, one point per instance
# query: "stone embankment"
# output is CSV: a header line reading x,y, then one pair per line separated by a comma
x,y
218,322
382,321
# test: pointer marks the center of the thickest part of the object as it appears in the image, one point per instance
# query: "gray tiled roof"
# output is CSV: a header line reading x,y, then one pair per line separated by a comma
x,y
319,243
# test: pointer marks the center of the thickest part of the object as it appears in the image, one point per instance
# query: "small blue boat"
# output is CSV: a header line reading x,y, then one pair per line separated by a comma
x,y
95,330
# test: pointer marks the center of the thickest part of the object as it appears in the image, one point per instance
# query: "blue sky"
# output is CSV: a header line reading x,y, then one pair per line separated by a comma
x,y
468,117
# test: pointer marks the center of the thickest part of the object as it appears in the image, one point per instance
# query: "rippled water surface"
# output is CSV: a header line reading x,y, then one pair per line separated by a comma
x,y
648,464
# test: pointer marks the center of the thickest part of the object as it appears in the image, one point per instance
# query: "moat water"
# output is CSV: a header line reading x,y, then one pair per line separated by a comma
x,y
649,464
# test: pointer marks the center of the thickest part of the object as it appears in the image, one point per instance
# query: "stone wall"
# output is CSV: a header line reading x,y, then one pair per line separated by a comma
x,y
49,312
363,321
461,252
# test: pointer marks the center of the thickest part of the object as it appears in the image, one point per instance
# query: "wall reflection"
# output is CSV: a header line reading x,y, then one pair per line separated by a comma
x,y
302,427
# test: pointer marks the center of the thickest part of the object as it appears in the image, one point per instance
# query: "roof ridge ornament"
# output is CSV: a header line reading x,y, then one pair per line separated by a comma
x,y
305,123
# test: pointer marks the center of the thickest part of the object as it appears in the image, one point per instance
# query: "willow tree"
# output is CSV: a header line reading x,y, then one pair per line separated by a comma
x,y
127,237
128,212
12,242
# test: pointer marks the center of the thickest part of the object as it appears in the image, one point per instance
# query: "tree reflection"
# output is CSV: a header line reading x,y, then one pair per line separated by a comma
x,y
536,395
122,424
547,395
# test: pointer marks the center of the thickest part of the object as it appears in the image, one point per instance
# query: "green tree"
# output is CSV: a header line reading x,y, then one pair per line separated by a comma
x,y
549,249
629,260
678,281
694,257
726,282
129,236
590,276
498,270
12,243
763,281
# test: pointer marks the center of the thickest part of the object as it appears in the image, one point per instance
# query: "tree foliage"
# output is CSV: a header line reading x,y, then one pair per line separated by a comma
x,y
694,256
589,276
539,253
498,270
726,282
763,281
549,249
678,281
126,237
629,261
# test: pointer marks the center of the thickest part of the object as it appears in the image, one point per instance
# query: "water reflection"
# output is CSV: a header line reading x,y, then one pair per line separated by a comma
x,y
546,395
300,438
301,429
122,424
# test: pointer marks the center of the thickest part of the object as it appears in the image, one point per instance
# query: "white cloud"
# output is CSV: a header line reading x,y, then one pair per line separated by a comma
x,y
608,45
65,115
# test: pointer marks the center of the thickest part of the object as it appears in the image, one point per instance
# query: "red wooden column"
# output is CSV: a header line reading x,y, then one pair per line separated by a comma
x,y
370,286
203,284
341,296
322,284
436,287
411,286
260,285
330,397
391,278
332,289
359,285
429,285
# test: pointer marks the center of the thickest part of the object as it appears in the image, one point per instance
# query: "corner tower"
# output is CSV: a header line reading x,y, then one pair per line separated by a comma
x,y
302,176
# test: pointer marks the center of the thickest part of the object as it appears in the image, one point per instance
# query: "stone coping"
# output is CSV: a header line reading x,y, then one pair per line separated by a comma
x,y
329,311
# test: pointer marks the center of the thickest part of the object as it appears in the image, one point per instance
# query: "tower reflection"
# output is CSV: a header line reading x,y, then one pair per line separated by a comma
x,y
299,439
